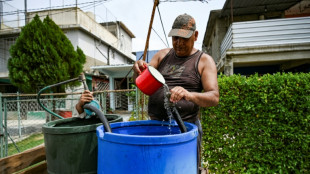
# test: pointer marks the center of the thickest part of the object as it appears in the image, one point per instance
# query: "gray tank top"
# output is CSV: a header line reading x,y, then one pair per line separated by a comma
x,y
177,71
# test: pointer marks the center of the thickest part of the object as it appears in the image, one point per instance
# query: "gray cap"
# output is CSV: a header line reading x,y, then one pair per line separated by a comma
x,y
184,26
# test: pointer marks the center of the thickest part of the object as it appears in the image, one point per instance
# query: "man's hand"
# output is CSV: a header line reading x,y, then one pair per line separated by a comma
x,y
86,97
139,66
178,92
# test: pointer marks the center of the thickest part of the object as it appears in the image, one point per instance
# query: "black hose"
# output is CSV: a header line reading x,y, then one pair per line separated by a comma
x,y
178,119
100,115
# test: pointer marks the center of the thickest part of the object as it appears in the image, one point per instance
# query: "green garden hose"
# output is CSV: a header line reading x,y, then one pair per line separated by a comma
x,y
50,86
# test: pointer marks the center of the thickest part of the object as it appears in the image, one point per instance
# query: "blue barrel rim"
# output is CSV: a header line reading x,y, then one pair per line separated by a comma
x,y
146,140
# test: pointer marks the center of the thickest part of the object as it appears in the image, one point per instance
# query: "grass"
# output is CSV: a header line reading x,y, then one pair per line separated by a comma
x,y
27,143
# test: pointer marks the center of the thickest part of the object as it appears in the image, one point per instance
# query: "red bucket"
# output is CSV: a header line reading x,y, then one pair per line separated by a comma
x,y
65,114
150,81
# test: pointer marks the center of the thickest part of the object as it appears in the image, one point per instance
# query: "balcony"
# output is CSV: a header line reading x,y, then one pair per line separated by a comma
x,y
276,41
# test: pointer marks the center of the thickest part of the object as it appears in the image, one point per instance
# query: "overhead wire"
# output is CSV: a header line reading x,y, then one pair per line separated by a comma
x,y
167,45
94,4
183,0
162,26
160,38
87,4
61,6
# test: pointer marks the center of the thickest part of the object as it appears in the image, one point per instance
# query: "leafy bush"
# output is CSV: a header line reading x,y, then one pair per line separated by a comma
x,y
261,125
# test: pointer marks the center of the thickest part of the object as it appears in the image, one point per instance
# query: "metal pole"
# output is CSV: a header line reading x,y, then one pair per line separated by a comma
x,y
18,113
72,100
6,130
49,10
231,11
18,24
137,103
25,12
104,103
94,10
100,99
1,13
76,11
1,129
50,106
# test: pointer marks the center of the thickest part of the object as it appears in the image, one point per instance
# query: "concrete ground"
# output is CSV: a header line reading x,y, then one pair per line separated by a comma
x,y
126,117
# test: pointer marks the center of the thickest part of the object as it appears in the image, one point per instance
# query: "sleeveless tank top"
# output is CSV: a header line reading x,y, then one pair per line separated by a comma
x,y
177,71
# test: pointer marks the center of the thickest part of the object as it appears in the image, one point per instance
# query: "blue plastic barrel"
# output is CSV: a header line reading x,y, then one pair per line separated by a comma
x,y
147,147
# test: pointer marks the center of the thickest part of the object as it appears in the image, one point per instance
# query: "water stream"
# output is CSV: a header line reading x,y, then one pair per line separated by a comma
x,y
167,105
171,109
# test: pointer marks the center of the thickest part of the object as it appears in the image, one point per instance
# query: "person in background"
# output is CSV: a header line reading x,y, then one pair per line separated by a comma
x,y
190,74
86,97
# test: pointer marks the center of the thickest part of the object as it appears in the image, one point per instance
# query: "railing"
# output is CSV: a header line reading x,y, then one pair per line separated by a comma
x,y
267,33
227,41
21,115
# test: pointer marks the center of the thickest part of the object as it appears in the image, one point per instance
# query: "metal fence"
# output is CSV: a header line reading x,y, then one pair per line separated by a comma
x,y
21,115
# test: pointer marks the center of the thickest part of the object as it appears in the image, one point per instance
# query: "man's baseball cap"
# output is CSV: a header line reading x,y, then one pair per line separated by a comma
x,y
184,26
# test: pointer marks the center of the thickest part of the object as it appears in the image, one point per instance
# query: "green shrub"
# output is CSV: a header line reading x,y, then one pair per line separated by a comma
x,y
261,125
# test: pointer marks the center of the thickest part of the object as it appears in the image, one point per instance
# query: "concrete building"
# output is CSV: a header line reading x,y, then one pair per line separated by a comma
x,y
106,43
248,37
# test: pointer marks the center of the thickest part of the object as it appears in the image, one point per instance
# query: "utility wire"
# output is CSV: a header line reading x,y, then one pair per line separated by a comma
x,y
60,6
129,72
160,37
162,26
183,1
89,4
82,6
37,9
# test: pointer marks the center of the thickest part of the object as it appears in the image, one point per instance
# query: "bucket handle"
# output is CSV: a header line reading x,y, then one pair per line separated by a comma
x,y
145,67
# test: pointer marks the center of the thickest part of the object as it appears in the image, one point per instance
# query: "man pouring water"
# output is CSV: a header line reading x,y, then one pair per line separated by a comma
x,y
190,74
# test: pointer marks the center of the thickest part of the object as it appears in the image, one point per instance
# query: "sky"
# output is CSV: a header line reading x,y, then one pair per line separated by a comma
x,y
136,15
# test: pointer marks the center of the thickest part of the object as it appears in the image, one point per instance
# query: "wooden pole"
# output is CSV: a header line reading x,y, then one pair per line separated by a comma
x,y
150,29
145,50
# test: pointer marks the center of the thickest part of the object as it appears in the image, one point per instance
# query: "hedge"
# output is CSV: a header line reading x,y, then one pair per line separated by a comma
x,y
261,125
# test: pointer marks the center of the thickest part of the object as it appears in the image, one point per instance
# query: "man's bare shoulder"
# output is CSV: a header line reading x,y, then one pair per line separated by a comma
x,y
163,52
158,57
205,58
206,62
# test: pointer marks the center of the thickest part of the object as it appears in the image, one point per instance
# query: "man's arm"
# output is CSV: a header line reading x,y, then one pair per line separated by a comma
x,y
140,65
